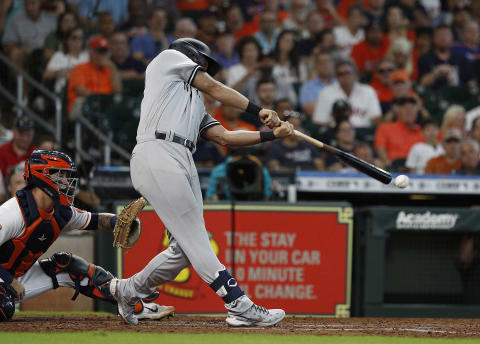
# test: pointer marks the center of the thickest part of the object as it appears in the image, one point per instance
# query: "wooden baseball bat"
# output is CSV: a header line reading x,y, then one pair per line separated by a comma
x,y
359,164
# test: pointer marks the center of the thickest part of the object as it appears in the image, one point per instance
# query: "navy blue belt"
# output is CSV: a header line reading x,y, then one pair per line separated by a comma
x,y
177,139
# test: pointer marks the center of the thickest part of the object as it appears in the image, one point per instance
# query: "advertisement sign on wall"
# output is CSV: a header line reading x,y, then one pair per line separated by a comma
x,y
290,256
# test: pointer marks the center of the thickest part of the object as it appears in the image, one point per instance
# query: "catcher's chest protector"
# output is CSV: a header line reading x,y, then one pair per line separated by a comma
x,y
41,230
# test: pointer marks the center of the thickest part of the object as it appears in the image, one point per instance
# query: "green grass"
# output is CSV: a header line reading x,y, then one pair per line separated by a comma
x,y
146,338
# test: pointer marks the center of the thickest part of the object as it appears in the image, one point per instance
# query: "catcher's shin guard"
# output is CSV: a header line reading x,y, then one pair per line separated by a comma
x,y
78,268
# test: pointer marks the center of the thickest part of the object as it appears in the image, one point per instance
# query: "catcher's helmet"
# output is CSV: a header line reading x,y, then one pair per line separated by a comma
x,y
7,302
55,173
193,48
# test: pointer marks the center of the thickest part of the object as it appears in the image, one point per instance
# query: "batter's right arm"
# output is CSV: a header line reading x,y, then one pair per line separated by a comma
x,y
224,137
228,96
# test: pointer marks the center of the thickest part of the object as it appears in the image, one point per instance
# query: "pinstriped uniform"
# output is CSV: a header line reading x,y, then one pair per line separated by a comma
x,y
165,174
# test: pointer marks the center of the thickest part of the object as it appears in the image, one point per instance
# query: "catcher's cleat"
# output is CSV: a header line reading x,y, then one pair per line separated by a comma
x,y
126,306
253,316
153,311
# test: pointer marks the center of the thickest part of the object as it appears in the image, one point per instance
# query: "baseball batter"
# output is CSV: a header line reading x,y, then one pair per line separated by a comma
x,y
32,220
163,171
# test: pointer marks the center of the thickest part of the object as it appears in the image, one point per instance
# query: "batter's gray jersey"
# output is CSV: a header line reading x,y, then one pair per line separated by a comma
x,y
170,102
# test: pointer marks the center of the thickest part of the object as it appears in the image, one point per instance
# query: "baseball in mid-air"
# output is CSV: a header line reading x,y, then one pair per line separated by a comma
x,y
402,181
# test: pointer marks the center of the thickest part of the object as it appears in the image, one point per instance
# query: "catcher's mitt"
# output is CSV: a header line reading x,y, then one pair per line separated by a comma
x,y
128,227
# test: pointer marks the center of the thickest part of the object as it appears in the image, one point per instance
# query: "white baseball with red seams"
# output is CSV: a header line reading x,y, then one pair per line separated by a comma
x,y
402,181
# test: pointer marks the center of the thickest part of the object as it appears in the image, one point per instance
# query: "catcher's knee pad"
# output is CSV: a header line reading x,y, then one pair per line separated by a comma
x,y
78,268
7,302
226,287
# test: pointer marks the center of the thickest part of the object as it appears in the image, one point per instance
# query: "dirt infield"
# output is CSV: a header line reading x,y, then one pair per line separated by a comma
x,y
402,327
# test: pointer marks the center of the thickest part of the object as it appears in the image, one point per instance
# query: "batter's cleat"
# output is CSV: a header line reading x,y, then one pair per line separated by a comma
x,y
153,311
126,306
254,316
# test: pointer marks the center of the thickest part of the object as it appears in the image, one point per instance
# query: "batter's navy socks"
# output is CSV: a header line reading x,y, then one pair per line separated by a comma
x,y
126,305
226,286
254,315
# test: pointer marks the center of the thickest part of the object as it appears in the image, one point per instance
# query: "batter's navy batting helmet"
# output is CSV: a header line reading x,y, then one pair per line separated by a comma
x,y
193,48
7,302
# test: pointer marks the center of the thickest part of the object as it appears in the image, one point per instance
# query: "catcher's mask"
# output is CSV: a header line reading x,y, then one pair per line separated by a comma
x,y
55,173
7,302
195,49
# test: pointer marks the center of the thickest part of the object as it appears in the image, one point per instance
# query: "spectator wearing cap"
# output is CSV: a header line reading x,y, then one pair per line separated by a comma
x,y
346,36
20,147
323,76
442,65
394,140
469,155
145,47
449,161
225,52
97,76
363,98
382,83
369,52
268,33
27,31
401,88
421,152
128,67
62,62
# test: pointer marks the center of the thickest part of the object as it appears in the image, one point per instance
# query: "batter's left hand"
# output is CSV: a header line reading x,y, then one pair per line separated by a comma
x,y
269,118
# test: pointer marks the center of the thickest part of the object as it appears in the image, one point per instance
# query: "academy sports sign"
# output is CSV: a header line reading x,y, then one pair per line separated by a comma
x,y
296,257
424,218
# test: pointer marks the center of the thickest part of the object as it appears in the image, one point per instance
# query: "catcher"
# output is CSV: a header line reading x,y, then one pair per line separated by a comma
x,y
32,220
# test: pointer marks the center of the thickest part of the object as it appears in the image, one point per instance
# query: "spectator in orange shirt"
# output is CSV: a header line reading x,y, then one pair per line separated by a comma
x,y
367,53
98,76
450,161
229,117
394,140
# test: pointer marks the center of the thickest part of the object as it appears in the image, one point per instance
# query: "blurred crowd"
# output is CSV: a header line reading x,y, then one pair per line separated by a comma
x,y
394,82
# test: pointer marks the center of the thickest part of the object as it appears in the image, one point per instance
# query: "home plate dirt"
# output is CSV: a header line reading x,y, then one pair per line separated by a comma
x,y
401,327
